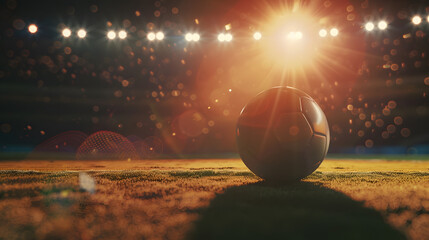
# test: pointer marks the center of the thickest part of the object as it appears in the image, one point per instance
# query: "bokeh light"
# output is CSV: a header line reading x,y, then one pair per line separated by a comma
x,y
195,37
257,36
188,37
221,37
32,28
334,32
369,26
159,36
323,33
382,25
122,34
228,37
66,32
416,20
151,36
81,33
111,35
224,37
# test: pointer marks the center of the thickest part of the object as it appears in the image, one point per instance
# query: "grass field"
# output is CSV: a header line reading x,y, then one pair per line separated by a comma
x,y
211,199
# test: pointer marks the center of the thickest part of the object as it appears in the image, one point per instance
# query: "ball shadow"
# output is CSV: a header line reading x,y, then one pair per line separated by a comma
x,y
302,210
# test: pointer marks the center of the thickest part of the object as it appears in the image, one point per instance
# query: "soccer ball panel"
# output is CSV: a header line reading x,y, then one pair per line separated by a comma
x,y
316,151
315,116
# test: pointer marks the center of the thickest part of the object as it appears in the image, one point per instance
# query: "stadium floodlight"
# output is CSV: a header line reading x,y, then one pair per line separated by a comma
x,y
195,37
257,36
32,28
188,37
81,33
334,32
228,37
66,32
159,35
111,35
416,20
221,37
382,25
323,33
122,34
151,36
369,26
224,37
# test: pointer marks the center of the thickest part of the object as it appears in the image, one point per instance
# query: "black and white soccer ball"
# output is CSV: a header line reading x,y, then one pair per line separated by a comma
x,y
282,134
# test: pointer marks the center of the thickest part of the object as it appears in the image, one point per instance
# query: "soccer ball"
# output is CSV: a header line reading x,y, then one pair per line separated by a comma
x,y
282,134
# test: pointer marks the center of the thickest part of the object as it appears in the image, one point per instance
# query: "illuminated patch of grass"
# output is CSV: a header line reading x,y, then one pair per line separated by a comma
x,y
134,176
342,200
157,175
209,173
11,173
366,176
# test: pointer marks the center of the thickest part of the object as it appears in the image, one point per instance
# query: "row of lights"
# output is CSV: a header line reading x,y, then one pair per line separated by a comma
x,y
190,37
152,36
226,37
382,25
333,32
81,33
369,26
112,34
66,32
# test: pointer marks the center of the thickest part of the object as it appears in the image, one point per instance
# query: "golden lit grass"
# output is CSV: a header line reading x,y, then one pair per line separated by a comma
x,y
212,199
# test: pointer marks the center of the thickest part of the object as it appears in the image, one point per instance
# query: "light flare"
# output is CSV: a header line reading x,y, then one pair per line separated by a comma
x,y
32,28
416,20
257,36
334,32
151,36
382,25
81,33
192,37
323,33
294,36
159,36
228,37
66,32
188,37
369,26
224,37
122,34
221,37
195,37
111,35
